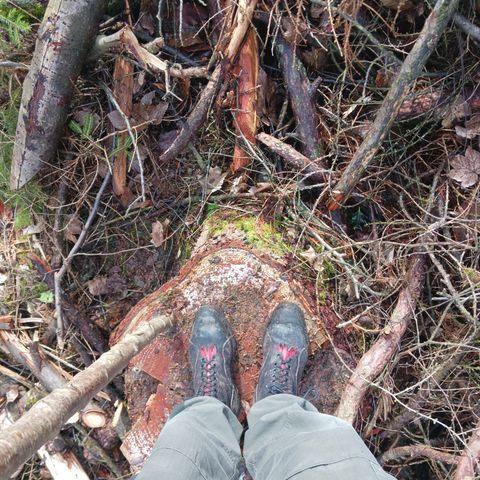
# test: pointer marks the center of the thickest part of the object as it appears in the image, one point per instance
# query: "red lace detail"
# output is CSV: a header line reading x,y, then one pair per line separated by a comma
x,y
286,352
208,352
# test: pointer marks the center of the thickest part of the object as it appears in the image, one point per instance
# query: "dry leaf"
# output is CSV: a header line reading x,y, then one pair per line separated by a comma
x,y
102,285
471,129
73,228
214,180
159,232
466,169
142,114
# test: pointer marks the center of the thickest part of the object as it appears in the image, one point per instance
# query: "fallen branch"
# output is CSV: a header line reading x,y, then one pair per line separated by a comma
x,y
49,375
470,460
435,24
62,465
154,64
381,352
20,441
195,119
293,158
301,99
467,26
66,263
410,452
63,42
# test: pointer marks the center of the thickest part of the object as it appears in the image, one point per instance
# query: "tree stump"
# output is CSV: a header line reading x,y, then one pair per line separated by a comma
x,y
243,266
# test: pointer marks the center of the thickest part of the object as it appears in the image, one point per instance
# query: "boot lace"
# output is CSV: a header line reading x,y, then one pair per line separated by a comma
x,y
281,369
208,371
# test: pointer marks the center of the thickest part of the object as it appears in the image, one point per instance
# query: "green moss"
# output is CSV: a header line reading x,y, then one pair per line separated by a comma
x,y
257,233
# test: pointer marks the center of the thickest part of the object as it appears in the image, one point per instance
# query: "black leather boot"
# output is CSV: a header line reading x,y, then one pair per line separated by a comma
x,y
285,351
212,351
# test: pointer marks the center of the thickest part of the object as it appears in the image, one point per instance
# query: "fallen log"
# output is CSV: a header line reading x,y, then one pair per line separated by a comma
x,y
413,452
381,352
65,36
44,420
435,24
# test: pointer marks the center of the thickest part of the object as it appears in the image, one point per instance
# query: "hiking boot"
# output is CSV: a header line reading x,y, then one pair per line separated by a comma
x,y
285,353
211,351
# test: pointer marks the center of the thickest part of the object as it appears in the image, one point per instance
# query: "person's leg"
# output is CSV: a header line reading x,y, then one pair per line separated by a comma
x,y
201,438
289,439
199,441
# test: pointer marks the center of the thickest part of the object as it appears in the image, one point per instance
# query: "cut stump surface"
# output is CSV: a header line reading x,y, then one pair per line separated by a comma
x,y
247,283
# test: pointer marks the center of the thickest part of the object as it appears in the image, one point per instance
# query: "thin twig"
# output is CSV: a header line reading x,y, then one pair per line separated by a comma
x,y
68,260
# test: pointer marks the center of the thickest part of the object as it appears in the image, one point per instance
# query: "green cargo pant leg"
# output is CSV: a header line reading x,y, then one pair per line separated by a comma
x,y
289,439
199,441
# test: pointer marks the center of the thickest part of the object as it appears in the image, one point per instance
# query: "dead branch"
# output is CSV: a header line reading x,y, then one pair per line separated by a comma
x,y
123,95
154,64
196,118
68,260
470,460
62,465
72,313
381,352
435,24
293,158
411,452
467,26
20,441
49,84
49,375
241,21
301,99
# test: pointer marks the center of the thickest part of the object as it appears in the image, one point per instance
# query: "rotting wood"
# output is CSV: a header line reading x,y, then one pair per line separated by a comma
x,y
381,352
435,24
245,115
123,93
62,465
293,158
20,441
49,375
469,463
64,39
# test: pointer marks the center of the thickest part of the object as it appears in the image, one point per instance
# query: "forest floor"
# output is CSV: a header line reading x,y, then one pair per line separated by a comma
x,y
420,195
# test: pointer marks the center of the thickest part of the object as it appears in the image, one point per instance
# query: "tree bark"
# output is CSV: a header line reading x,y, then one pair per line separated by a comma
x,y
65,36
44,420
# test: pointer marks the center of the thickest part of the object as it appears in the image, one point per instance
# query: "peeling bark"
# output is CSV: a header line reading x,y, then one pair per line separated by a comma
x,y
245,117
65,36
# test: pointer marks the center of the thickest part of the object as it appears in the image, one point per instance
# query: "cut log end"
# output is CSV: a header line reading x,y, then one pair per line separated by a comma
x,y
94,418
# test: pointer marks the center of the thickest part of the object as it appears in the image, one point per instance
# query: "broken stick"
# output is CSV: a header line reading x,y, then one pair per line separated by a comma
x,y
44,420
381,352
293,158
435,24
